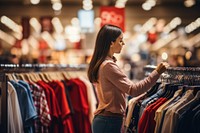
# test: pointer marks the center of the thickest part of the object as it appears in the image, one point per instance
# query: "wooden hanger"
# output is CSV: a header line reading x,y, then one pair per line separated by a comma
x,y
82,73
14,77
33,77
60,76
43,77
48,76
37,76
29,79
9,77
21,76
66,75
72,74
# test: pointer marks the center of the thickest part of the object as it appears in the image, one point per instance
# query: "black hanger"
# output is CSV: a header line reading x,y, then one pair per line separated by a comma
x,y
153,89
196,89
172,90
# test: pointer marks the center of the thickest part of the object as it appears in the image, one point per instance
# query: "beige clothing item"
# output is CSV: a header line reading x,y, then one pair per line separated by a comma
x,y
158,114
169,121
131,106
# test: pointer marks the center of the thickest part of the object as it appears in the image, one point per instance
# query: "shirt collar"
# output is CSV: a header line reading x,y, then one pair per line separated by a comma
x,y
111,58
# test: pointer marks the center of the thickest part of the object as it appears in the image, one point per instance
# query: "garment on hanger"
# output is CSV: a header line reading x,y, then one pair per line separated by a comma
x,y
15,124
167,108
42,123
28,111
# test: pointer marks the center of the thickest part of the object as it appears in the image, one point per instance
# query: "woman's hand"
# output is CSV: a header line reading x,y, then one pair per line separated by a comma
x,y
162,67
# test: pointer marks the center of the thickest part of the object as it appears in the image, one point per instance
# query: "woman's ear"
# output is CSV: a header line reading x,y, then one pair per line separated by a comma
x,y
112,43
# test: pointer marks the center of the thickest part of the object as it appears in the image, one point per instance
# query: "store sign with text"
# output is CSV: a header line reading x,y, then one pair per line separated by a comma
x,y
113,15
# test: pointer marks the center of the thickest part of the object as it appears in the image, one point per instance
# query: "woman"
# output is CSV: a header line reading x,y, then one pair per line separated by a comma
x,y
112,84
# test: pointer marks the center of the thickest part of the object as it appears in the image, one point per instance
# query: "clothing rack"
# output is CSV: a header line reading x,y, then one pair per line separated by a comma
x,y
40,67
17,68
182,75
167,102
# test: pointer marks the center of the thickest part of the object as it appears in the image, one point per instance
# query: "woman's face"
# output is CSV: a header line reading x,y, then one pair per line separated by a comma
x,y
117,45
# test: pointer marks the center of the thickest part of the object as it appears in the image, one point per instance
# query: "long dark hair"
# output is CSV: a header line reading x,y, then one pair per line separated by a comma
x,y
107,34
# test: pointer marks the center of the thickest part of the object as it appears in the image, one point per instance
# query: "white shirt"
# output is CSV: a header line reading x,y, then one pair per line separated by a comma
x,y
14,115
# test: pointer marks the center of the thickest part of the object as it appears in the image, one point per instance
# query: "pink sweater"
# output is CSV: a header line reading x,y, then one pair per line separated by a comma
x,y
113,84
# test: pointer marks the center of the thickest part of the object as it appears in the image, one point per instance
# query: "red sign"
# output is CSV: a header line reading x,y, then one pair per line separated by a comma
x,y
113,15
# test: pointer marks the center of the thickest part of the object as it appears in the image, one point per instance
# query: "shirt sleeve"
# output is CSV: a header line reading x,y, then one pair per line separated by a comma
x,y
114,75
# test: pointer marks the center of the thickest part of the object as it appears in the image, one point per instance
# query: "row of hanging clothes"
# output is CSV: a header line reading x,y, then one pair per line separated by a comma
x,y
53,99
172,105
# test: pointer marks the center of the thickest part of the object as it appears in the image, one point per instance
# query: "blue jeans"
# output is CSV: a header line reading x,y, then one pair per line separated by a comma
x,y
107,124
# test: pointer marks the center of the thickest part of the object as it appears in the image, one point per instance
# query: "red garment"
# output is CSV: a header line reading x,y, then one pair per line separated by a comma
x,y
146,118
78,94
76,104
152,123
59,89
53,106
85,105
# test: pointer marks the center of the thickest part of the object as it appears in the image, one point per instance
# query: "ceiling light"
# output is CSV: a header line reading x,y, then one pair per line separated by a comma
x,y
35,2
189,3
75,21
35,24
146,6
57,6
97,21
87,7
11,24
57,25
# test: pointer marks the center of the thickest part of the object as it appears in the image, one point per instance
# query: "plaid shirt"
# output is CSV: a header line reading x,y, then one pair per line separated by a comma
x,y
42,123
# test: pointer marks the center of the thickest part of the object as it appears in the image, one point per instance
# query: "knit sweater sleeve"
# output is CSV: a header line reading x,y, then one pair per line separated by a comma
x,y
113,74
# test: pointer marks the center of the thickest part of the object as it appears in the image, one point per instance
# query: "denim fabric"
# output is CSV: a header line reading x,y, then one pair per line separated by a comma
x,y
106,124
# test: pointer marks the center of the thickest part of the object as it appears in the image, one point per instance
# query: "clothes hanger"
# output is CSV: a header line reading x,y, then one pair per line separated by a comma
x,y
66,75
173,89
43,77
82,73
33,77
47,76
22,77
27,75
53,76
73,74
9,77
14,77
37,76
60,76
153,89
